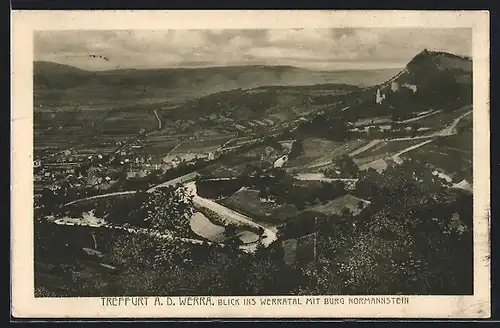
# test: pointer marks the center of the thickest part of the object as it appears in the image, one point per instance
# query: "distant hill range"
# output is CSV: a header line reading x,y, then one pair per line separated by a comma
x,y
431,80
57,84
247,99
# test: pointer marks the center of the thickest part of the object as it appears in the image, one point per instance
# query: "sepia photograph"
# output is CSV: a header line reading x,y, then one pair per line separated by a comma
x,y
254,162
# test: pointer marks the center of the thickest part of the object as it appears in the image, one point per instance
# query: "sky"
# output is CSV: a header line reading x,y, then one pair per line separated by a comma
x,y
319,49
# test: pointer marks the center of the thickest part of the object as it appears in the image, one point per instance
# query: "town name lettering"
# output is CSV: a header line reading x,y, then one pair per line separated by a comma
x,y
124,301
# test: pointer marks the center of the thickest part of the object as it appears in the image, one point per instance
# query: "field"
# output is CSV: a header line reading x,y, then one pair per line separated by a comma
x,y
160,145
203,227
317,151
461,142
100,128
235,164
451,154
443,118
203,145
387,148
229,167
336,206
248,202
127,122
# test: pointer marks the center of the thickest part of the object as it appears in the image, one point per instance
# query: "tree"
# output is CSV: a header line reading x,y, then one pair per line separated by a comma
x,y
347,166
230,229
346,213
169,210
412,241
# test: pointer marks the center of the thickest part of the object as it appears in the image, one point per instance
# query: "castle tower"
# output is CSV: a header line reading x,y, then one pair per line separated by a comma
x,y
379,97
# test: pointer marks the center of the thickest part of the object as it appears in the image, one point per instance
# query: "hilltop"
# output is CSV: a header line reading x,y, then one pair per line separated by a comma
x,y
431,80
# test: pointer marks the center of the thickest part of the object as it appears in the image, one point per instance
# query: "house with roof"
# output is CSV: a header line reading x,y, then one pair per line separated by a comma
x,y
281,161
172,160
394,86
137,173
94,181
412,87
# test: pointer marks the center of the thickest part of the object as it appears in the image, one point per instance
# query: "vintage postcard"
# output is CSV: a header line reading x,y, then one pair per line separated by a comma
x,y
250,164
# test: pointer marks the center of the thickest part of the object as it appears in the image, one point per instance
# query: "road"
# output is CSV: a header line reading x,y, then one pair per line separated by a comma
x,y
174,149
248,248
159,120
270,234
449,130
398,159
118,193
420,117
364,148
144,231
320,177
182,179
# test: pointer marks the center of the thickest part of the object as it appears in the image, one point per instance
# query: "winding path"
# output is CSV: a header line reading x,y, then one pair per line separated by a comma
x,y
248,248
159,120
421,116
449,130
182,179
150,232
364,148
452,128
398,159
320,177
118,193
270,234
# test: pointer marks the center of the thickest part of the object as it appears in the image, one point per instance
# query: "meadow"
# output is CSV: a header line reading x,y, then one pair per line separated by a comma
x,y
451,154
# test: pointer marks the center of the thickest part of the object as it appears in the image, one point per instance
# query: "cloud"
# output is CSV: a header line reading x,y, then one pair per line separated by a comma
x,y
310,48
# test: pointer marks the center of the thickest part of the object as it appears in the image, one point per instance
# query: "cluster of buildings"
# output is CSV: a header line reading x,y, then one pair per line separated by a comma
x,y
56,176
395,86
